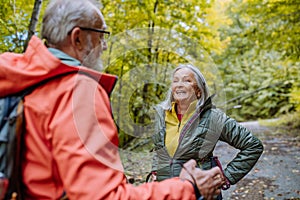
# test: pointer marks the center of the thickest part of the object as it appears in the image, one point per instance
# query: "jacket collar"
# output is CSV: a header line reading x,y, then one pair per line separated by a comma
x,y
38,64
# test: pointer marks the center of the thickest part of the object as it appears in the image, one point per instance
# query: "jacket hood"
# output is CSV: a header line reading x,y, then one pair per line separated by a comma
x,y
20,71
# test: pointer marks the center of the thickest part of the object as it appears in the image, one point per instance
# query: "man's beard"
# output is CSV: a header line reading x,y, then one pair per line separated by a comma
x,y
92,59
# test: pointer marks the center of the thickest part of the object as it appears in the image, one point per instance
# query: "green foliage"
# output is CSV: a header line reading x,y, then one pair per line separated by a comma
x,y
291,121
273,24
288,124
198,20
260,64
295,96
14,21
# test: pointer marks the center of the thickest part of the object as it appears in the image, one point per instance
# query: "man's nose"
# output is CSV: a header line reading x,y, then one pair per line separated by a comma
x,y
104,45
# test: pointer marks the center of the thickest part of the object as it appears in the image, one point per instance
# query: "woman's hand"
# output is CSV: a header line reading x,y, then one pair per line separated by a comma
x,y
153,176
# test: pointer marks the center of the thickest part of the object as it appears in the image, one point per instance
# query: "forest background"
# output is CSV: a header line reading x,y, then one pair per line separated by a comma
x,y
248,50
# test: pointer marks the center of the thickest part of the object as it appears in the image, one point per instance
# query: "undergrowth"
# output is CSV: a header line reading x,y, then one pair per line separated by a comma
x,y
289,123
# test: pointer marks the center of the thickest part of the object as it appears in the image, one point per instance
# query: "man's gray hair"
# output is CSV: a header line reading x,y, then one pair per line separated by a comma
x,y
201,83
61,16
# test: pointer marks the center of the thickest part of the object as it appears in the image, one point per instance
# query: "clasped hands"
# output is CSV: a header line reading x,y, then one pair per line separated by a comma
x,y
208,182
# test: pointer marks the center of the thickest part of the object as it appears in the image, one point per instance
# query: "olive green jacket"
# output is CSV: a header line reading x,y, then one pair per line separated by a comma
x,y
198,139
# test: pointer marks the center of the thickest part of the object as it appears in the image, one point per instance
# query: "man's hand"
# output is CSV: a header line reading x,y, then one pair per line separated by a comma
x,y
207,181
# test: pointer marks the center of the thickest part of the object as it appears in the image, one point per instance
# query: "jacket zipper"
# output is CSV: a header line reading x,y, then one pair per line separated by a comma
x,y
185,128
172,158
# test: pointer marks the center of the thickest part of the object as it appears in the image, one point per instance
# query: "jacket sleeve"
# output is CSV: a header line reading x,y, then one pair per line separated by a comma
x,y
157,138
154,162
86,155
250,148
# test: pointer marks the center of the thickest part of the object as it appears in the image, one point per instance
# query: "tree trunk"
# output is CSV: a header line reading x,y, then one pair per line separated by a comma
x,y
33,21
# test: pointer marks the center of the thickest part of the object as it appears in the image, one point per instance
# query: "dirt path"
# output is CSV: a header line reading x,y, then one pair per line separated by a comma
x,y
275,176
277,173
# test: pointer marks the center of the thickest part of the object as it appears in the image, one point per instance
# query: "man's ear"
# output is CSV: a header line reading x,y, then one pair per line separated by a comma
x,y
77,38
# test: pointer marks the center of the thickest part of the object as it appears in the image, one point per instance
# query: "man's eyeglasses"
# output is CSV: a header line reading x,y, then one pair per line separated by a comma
x,y
105,36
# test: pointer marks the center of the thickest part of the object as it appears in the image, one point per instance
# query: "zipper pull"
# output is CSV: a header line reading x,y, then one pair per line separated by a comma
x,y
178,126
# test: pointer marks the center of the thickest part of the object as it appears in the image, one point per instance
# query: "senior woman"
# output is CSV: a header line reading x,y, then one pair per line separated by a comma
x,y
188,126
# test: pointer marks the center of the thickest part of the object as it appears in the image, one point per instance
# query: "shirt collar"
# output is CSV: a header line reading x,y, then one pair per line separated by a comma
x,y
65,58
191,108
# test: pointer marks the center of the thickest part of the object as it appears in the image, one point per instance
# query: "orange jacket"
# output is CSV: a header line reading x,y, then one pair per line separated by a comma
x,y
71,139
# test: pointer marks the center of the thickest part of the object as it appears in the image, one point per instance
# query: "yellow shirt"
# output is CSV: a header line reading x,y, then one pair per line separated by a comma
x,y
174,126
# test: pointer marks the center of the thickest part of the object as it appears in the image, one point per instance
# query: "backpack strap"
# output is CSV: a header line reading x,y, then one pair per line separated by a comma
x,y
16,179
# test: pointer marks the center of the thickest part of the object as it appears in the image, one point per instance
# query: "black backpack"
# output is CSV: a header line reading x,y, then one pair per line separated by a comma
x,y
12,128
11,131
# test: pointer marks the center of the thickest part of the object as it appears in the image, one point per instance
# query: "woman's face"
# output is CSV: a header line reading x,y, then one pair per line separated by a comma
x,y
184,86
